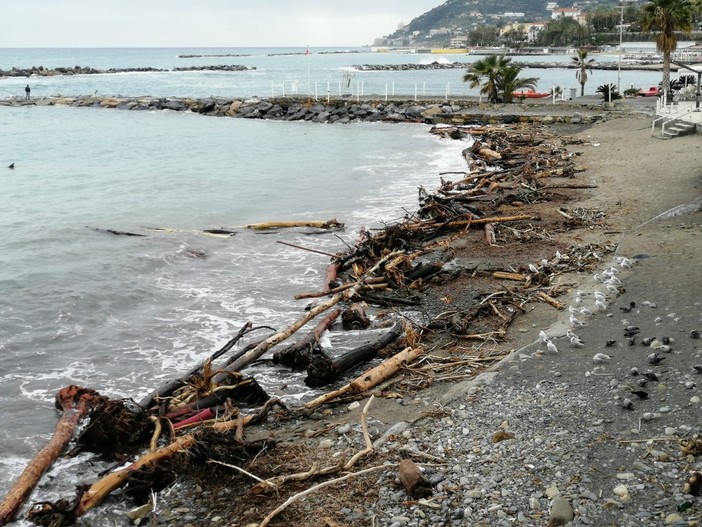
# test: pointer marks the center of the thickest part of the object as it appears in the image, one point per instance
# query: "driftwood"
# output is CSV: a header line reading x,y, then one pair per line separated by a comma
x,y
271,341
169,388
297,356
519,164
371,378
355,318
323,369
319,224
517,277
75,402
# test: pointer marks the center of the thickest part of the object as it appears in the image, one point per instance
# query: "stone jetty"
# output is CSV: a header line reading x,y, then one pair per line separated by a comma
x,y
41,71
346,110
643,66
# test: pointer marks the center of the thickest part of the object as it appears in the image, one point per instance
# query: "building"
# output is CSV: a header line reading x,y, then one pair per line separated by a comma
x,y
568,12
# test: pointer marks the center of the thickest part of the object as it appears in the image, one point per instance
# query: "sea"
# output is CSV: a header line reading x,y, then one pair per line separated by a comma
x,y
123,314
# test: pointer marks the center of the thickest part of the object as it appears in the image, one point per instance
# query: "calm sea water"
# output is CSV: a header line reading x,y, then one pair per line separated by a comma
x,y
123,314
277,71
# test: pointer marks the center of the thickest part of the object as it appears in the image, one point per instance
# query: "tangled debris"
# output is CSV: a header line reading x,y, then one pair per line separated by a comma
x,y
457,271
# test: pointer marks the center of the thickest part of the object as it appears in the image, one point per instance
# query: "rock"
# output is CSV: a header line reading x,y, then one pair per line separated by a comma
x,y
673,518
561,512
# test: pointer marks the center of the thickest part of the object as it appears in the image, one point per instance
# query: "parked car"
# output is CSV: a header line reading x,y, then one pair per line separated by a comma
x,y
653,91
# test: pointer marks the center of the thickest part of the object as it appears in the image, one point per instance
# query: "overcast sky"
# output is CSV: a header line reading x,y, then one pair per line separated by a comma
x,y
172,23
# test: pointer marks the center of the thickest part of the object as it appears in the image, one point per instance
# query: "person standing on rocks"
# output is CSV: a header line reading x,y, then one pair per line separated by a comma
x,y
27,91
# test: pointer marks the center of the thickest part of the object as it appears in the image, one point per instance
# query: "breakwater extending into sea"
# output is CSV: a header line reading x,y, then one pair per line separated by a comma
x,y
347,110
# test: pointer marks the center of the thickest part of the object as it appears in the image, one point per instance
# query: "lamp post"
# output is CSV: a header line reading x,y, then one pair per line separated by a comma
x,y
621,32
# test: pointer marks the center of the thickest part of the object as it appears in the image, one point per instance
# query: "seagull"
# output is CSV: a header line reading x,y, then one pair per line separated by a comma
x,y
579,293
612,288
551,347
599,296
578,300
543,337
601,305
573,309
576,342
625,263
533,268
598,278
558,254
599,358
613,280
585,311
575,321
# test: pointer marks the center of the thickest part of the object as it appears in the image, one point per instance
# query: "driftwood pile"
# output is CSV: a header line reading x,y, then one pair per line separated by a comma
x,y
202,415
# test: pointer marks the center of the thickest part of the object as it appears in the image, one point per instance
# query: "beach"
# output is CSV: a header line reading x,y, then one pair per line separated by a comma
x,y
557,414
543,437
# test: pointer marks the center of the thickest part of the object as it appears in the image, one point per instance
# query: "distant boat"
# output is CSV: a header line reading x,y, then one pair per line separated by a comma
x,y
531,94
653,91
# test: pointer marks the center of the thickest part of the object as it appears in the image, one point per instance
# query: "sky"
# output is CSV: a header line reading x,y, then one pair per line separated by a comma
x,y
206,23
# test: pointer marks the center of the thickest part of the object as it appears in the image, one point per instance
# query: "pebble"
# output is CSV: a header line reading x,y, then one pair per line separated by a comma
x,y
343,429
561,512
326,444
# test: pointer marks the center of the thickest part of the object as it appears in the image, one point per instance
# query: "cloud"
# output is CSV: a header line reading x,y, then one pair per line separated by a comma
x,y
139,23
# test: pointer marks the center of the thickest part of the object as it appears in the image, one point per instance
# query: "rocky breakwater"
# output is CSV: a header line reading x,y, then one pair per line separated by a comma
x,y
412,67
41,71
457,112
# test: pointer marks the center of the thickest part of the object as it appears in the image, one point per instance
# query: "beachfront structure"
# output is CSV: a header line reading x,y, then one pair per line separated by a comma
x,y
567,12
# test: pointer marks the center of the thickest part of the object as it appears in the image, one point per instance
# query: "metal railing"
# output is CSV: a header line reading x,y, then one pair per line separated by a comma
x,y
665,120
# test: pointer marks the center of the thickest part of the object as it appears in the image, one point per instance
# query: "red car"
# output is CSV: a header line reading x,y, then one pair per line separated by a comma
x,y
653,91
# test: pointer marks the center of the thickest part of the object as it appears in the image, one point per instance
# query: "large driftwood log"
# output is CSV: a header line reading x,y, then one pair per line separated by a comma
x,y
319,224
323,369
371,378
75,402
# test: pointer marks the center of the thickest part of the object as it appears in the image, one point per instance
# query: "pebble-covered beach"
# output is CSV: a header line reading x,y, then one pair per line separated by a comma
x,y
591,432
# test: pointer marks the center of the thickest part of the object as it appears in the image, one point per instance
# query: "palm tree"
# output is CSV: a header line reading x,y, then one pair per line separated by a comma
x,y
497,78
667,17
583,64
484,73
510,82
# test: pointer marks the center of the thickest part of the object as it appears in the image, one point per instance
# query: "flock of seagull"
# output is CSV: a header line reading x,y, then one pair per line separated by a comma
x,y
587,304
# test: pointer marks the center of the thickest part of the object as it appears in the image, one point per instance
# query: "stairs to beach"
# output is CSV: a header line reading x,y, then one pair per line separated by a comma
x,y
675,129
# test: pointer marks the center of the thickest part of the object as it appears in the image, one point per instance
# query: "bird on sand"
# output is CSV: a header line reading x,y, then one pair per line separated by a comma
x,y
11,166
599,358
575,321
576,342
551,347
543,337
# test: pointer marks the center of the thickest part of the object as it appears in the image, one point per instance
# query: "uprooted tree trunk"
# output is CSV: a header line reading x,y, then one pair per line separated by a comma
x,y
297,356
323,369
75,402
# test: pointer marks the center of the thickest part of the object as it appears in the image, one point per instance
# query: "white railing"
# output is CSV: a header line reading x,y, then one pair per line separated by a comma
x,y
669,116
